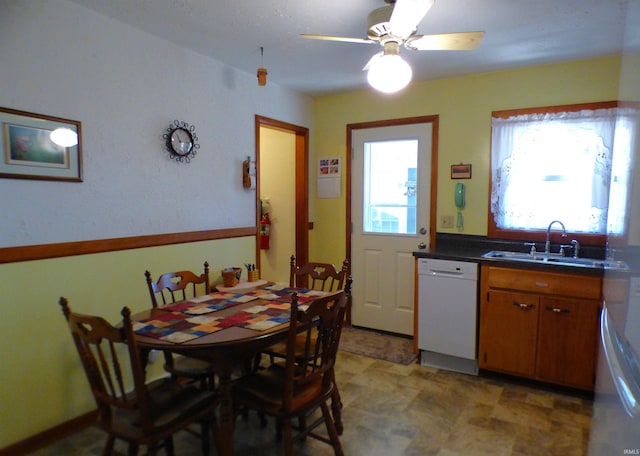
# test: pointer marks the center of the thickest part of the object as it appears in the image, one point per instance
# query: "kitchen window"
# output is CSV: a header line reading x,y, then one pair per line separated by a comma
x,y
569,163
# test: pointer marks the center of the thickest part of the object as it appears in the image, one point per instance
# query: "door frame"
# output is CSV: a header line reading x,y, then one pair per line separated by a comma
x,y
434,121
301,184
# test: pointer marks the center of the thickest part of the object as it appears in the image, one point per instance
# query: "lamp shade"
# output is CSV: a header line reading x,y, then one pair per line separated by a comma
x,y
64,137
389,73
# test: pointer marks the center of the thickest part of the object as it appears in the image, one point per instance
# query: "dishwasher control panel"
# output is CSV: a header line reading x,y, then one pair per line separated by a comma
x,y
436,266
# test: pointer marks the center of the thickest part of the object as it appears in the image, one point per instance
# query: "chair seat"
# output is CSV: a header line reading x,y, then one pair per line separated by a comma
x,y
262,391
171,401
190,367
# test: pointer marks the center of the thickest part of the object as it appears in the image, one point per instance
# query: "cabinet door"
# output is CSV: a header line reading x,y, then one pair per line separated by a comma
x,y
567,342
508,331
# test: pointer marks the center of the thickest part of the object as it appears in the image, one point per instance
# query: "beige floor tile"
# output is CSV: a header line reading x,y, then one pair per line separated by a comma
x,y
396,410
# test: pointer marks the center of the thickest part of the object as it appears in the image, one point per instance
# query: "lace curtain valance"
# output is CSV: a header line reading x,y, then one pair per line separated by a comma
x,y
571,166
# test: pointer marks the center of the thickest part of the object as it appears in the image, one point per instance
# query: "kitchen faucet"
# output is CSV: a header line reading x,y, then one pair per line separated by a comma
x,y
576,248
547,244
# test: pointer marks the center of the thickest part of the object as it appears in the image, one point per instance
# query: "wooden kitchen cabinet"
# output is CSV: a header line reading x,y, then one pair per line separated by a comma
x,y
540,325
509,325
567,341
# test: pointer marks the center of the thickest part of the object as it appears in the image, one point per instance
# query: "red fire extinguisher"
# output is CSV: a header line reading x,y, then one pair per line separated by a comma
x,y
265,231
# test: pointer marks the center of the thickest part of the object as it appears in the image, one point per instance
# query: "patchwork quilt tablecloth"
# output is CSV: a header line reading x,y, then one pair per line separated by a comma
x,y
193,318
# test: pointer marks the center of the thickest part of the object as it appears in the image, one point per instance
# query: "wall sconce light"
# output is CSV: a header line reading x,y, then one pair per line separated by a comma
x,y
262,72
64,137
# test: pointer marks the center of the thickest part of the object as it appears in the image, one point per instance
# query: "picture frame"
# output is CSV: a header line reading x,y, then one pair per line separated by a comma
x,y
28,152
329,167
461,171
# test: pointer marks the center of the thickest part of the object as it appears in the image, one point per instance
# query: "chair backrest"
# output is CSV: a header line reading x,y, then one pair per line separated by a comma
x,y
177,286
312,344
110,357
318,276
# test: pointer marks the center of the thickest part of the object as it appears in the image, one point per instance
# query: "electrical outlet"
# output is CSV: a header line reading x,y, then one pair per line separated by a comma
x,y
446,221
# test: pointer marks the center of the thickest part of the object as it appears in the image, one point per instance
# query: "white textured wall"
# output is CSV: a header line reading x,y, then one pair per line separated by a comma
x,y
126,86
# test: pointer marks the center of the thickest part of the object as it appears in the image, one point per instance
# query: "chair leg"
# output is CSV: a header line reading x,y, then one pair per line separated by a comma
x,y
205,430
287,436
331,430
263,420
108,445
336,408
302,424
169,445
133,449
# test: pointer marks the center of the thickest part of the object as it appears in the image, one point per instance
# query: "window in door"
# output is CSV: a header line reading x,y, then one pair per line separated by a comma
x,y
390,186
569,163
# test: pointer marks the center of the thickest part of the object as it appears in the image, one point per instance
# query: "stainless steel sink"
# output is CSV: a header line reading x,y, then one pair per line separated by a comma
x,y
555,258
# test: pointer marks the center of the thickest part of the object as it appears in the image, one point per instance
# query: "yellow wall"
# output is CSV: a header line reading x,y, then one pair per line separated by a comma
x,y
277,183
42,382
464,105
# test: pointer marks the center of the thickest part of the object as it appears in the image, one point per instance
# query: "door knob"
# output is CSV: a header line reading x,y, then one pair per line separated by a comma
x,y
422,246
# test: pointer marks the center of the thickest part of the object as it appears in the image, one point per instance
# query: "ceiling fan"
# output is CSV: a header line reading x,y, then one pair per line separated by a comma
x,y
393,25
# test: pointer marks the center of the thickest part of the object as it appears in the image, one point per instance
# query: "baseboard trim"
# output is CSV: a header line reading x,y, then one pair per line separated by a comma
x,y
45,438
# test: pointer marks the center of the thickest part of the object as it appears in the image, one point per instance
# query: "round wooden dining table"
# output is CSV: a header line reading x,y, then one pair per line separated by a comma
x,y
227,349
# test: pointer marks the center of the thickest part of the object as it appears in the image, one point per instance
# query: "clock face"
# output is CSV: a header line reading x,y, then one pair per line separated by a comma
x,y
181,141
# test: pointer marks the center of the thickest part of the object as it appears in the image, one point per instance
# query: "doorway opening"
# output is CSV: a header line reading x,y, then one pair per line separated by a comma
x,y
280,143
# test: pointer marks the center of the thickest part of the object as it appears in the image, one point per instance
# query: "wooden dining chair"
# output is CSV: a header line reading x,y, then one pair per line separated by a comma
x,y
305,380
323,277
317,276
170,288
146,414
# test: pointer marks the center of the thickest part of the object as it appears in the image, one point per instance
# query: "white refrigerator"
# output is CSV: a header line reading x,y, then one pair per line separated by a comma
x,y
615,424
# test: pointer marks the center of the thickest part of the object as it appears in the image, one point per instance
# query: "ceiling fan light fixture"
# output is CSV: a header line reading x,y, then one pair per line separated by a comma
x,y
389,73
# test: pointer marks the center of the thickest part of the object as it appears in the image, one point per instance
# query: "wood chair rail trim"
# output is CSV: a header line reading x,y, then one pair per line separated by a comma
x,y
65,249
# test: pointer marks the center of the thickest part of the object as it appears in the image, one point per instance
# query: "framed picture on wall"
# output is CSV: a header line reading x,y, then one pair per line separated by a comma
x,y
461,171
36,146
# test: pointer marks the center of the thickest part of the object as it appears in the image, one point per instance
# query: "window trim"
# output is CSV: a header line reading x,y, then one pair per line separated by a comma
x,y
540,235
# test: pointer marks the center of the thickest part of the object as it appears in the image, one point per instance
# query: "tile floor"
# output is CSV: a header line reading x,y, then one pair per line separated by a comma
x,y
396,410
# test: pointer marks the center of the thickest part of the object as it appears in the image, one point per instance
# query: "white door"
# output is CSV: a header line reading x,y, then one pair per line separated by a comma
x,y
391,183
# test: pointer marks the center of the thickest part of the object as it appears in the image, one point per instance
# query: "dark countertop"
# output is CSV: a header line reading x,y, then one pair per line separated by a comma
x,y
470,248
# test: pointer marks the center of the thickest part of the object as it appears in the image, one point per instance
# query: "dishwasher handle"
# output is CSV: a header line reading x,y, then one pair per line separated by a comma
x,y
455,272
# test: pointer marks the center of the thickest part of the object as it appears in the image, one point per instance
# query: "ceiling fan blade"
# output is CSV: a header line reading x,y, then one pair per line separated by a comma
x,y
406,16
463,41
335,38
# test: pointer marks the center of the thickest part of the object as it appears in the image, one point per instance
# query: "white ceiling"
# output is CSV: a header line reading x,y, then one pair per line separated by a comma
x,y
518,33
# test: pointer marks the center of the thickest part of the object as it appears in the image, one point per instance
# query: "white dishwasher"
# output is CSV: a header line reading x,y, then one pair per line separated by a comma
x,y
447,314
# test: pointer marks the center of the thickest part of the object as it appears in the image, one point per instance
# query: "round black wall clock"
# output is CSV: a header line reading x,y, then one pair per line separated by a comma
x,y
181,141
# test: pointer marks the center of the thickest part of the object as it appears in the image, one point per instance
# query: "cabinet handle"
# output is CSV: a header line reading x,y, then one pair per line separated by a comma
x,y
556,310
542,284
523,306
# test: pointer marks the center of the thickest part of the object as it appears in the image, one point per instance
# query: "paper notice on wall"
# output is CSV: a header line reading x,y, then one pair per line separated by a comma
x,y
329,171
329,188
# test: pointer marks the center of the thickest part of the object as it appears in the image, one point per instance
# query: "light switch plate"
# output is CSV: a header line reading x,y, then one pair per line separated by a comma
x,y
446,221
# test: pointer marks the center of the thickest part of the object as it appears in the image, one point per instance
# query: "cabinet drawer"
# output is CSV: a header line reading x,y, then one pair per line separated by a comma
x,y
540,282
